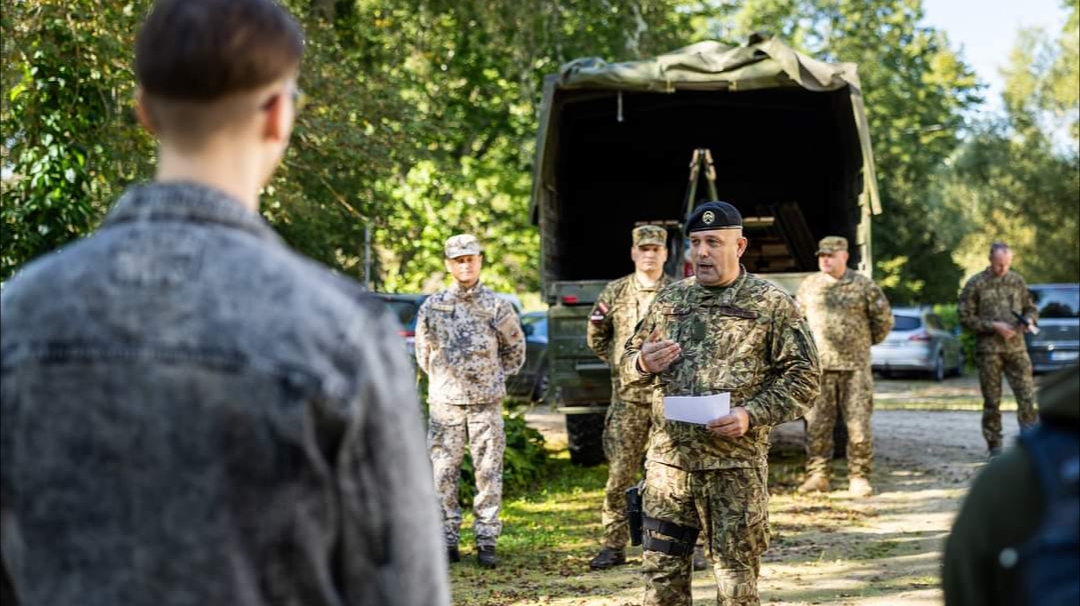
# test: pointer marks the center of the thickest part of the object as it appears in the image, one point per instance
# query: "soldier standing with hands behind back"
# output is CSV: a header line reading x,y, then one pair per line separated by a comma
x,y
467,341
847,313
996,305
619,308
720,331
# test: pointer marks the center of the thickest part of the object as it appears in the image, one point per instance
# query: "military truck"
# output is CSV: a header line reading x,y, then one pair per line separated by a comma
x,y
791,150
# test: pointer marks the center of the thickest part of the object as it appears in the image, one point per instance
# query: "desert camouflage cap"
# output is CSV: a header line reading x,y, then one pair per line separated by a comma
x,y
831,244
650,234
461,245
714,215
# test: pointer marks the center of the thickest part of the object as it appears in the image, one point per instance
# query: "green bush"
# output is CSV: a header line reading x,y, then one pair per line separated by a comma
x,y
950,317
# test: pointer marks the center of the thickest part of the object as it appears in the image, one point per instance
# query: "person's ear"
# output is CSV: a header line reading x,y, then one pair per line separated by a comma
x,y
146,118
742,245
276,126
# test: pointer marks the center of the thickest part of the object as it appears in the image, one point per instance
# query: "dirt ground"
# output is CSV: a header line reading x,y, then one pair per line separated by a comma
x,y
833,549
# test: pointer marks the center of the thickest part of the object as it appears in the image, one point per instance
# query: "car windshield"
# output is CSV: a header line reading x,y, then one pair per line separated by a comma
x,y
906,323
404,310
536,324
1061,302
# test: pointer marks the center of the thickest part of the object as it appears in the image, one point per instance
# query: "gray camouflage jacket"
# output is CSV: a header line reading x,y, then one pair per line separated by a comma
x,y
748,339
468,342
195,414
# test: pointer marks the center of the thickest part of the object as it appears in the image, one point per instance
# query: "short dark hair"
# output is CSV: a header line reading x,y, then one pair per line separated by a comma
x,y
205,50
999,246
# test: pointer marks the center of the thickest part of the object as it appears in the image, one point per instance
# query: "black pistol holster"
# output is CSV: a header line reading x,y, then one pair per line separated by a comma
x,y
682,538
633,513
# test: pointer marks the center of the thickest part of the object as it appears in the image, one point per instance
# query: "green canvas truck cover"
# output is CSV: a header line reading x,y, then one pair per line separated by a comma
x,y
788,133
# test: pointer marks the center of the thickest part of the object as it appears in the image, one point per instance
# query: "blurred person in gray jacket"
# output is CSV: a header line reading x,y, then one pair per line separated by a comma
x,y
192,412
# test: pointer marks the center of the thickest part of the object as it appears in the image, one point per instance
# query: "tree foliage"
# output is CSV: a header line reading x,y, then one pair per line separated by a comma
x,y
69,138
424,113
916,90
1017,178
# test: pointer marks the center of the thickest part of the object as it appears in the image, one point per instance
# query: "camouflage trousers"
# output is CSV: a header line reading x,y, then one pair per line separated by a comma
x,y
626,432
853,392
450,427
1017,368
731,508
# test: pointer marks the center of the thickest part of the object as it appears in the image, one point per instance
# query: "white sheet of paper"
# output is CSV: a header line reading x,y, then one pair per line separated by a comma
x,y
697,409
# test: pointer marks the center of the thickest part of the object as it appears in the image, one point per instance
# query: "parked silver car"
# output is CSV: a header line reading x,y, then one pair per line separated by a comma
x,y
920,343
1058,343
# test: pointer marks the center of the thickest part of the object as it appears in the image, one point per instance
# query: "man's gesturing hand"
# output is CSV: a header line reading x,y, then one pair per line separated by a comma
x,y
657,353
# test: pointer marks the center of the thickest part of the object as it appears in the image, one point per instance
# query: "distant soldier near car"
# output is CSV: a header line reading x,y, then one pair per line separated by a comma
x,y
722,330
847,313
996,305
467,341
618,309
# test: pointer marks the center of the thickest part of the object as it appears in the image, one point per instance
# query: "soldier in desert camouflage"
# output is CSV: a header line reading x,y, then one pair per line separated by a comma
x,y
847,314
996,305
619,308
467,341
720,331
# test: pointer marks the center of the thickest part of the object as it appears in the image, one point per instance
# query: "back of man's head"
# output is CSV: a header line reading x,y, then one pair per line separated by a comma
x,y
193,55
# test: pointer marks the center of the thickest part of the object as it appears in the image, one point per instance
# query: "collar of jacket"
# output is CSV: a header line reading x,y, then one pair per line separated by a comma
x,y
186,202
456,289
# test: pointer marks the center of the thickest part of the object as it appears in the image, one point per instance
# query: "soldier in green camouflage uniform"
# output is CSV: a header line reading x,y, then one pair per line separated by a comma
x,y
467,341
721,331
618,309
847,313
989,305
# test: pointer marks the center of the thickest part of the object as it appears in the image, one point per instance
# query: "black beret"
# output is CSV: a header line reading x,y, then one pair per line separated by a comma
x,y
714,215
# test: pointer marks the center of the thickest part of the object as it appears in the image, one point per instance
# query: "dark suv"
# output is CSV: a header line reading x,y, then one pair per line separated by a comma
x,y
406,308
1058,343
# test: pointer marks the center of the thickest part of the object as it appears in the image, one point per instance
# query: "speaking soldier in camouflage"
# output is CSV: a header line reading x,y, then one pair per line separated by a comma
x,y
997,306
720,331
468,341
618,309
847,314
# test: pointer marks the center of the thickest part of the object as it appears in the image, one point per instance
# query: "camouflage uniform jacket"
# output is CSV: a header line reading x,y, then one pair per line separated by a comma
x,y
987,298
846,315
618,309
748,339
468,342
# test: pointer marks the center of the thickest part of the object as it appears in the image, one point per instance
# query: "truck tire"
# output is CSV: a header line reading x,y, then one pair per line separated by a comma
x,y
585,438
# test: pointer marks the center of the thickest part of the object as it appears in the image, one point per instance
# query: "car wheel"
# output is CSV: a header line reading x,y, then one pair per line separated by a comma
x,y
938,372
585,437
539,393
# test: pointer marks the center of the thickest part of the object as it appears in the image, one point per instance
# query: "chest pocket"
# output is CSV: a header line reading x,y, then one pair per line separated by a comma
x,y
738,337
675,322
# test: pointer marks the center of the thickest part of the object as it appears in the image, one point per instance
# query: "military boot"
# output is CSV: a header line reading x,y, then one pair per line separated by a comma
x,y
485,556
452,554
815,483
607,558
860,487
